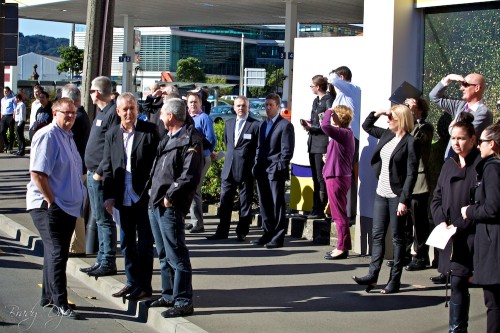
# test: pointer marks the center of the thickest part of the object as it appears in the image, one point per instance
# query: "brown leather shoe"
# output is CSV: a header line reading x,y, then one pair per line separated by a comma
x,y
124,291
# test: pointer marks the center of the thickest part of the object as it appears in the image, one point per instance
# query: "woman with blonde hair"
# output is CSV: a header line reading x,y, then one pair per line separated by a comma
x,y
337,173
485,212
395,163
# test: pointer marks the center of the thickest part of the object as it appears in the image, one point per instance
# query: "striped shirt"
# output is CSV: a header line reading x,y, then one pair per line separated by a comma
x,y
384,185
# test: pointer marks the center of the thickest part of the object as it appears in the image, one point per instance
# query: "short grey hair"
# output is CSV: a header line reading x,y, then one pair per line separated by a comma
x,y
243,98
176,107
172,90
126,96
71,91
103,84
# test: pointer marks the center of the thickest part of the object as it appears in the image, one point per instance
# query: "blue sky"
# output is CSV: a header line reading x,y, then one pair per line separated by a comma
x,y
47,28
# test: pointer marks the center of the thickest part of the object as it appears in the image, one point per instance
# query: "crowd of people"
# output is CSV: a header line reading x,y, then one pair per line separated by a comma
x,y
146,176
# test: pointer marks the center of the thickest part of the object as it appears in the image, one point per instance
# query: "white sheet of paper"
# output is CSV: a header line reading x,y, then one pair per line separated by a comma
x,y
116,216
440,236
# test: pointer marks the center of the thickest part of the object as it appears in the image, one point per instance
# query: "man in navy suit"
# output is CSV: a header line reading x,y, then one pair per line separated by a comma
x,y
271,169
241,135
129,152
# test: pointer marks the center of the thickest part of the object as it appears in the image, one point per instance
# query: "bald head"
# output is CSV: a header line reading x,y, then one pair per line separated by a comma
x,y
473,87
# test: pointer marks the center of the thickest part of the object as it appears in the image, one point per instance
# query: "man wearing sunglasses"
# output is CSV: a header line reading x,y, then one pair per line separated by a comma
x,y
472,87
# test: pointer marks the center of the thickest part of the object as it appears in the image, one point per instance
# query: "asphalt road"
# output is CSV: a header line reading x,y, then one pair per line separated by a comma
x,y
21,276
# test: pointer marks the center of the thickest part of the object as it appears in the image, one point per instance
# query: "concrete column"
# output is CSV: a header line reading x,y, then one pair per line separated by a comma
x,y
393,47
128,49
98,46
290,34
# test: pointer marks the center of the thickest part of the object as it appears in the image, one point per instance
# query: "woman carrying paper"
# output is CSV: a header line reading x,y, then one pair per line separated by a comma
x,y
485,212
457,177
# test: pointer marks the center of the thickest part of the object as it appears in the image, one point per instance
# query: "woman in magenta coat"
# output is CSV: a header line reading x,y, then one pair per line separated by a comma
x,y
337,173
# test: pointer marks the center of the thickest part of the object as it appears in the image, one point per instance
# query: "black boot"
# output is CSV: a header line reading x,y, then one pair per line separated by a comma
x,y
394,282
459,316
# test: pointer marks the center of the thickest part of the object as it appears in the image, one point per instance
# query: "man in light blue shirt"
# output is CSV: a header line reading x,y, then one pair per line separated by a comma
x,y
203,123
55,198
349,94
8,106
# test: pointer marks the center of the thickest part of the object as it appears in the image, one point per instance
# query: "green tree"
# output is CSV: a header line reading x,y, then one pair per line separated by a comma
x,y
220,80
72,60
274,82
189,70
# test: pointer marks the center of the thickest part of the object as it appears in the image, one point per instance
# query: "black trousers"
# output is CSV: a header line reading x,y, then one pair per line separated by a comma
x,y
20,137
228,191
136,242
492,302
272,209
316,162
417,227
55,227
8,123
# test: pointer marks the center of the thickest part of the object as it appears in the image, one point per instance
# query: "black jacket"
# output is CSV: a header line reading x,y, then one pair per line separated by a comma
x,y
81,131
486,215
177,168
318,141
143,153
94,150
404,160
239,159
452,192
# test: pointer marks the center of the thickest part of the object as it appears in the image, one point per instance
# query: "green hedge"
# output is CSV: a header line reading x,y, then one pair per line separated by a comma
x,y
210,189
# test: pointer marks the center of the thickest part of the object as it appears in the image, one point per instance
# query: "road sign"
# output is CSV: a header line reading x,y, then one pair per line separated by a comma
x,y
290,55
124,59
255,77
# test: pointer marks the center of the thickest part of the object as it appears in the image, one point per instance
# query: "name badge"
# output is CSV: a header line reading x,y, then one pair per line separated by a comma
x,y
247,136
98,122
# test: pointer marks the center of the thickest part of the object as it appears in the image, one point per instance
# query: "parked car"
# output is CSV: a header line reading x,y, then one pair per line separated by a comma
x,y
258,107
229,97
220,102
224,112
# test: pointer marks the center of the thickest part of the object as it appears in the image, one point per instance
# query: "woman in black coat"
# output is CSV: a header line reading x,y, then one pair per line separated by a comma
x,y
395,163
318,141
485,213
457,177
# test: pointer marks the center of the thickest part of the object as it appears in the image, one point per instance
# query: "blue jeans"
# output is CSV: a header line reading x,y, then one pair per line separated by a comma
x,y
167,225
384,214
106,227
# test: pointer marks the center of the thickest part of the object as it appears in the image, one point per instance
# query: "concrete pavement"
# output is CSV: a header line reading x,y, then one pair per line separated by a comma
x,y
239,287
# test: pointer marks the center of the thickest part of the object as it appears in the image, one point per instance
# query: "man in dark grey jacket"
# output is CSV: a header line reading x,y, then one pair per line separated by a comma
x,y
175,176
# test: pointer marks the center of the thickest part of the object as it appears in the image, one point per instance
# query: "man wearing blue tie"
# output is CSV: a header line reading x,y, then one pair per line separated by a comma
x,y
472,87
271,170
241,135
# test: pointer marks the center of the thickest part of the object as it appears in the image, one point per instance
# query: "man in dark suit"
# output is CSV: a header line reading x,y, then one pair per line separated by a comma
x,y
81,131
271,169
129,152
241,135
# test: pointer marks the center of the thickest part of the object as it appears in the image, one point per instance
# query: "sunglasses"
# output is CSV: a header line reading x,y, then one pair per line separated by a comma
x,y
466,84
390,117
480,141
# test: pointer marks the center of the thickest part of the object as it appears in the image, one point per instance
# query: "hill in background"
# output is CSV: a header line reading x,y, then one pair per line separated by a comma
x,y
41,44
